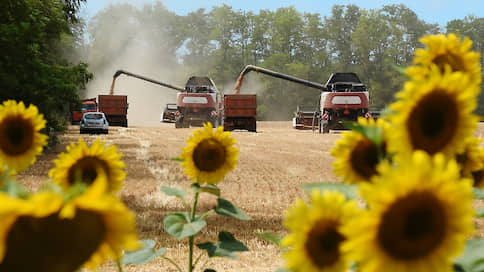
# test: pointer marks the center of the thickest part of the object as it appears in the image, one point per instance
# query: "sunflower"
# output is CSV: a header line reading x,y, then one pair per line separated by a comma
x,y
357,156
209,155
446,51
31,235
419,217
434,115
470,160
20,139
315,238
79,163
110,225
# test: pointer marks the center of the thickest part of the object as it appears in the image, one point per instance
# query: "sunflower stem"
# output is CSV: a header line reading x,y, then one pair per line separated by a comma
x,y
191,238
120,267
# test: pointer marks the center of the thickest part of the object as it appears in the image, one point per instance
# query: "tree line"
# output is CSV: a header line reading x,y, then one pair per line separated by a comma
x,y
47,59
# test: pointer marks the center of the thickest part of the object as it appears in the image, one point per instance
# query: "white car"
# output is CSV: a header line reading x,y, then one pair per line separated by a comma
x,y
94,122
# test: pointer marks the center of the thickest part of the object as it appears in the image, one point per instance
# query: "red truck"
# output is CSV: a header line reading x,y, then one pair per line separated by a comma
x,y
240,112
88,105
115,107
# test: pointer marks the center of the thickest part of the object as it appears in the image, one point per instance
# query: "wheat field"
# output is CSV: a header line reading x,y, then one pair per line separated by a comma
x,y
272,165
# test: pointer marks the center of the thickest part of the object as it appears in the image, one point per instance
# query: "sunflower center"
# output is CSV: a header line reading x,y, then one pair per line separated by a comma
x,y
322,245
478,177
432,123
53,244
16,135
364,158
209,155
413,226
85,170
454,61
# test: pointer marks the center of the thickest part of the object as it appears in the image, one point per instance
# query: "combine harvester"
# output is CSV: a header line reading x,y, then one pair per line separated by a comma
x,y
197,103
343,98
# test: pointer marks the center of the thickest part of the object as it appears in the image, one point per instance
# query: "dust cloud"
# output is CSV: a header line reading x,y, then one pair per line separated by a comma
x,y
141,55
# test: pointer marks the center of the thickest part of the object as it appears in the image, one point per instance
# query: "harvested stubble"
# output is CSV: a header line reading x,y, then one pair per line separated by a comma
x,y
272,165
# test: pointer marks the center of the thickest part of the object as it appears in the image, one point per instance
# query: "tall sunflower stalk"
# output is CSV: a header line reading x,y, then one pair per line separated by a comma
x,y
416,173
208,156
72,222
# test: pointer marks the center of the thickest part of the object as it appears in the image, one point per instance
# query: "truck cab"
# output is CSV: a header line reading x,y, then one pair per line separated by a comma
x,y
87,105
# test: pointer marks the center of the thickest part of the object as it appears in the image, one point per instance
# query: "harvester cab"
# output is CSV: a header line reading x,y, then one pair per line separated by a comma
x,y
345,99
200,102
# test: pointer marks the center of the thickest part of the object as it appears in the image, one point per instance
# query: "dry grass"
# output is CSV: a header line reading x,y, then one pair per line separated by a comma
x,y
272,165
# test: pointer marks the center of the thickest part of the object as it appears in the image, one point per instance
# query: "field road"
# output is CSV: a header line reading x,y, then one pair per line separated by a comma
x,y
272,164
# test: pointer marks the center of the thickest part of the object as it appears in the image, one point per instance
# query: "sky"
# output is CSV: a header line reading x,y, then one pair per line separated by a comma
x,y
431,11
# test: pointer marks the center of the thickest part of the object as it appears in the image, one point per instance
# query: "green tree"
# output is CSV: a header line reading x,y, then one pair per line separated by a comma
x,y
31,67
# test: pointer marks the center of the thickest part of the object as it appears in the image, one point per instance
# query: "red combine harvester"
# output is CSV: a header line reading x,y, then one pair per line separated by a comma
x,y
198,102
88,105
343,98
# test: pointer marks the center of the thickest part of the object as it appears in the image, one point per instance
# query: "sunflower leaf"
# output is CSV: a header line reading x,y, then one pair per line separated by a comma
x,y
269,237
480,213
348,190
14,189
179,226
226,208
399,69
226,246
173,191
177,159
374,134
144,254
211,189
478,193
472,260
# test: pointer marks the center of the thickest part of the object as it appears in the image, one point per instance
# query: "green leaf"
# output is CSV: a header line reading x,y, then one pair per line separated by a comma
x,y
478,193
143,255
348,190
211,189
177,159
226,208
480,213
14,189
374,134
283,270
269,237
225,247
399,69
179,226
473,258
173,191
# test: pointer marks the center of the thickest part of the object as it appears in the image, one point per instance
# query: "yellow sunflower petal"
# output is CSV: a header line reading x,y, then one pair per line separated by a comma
x,y
420,214
20,139
114,222
434,115
314,237
209,155
356,156
446,51
80,162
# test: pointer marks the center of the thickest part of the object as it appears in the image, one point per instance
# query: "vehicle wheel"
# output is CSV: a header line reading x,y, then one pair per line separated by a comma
x,y
179,123
253,126
186,123
325,128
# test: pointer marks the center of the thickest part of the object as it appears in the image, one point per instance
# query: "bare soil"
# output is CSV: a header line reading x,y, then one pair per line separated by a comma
x,y
273,163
